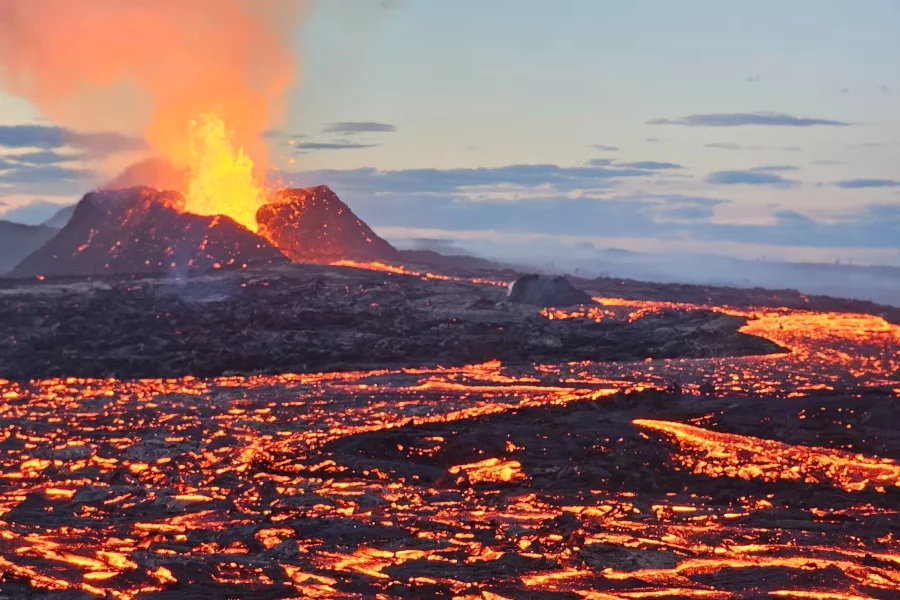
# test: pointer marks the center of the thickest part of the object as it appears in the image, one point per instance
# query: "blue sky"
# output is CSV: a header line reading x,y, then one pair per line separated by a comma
x,y
765,128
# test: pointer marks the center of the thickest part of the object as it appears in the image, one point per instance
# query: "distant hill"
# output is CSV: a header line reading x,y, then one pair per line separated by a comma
x,y
18,241
61,218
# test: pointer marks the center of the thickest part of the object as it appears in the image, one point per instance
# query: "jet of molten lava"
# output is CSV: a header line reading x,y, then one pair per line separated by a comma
x,y
221,179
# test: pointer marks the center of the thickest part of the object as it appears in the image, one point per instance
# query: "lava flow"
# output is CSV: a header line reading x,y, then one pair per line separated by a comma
x,y
486,481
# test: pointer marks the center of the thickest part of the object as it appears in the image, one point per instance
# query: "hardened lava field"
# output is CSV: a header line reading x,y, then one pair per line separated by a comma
x,y
691,474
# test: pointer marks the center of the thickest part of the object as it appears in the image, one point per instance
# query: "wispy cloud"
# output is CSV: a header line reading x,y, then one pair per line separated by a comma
x,y
728,146
604,148
749,177
650,165
582,201
44,157
774,168
44,180
765,119
352,127
541,178
857,184
50,137
868,145
334,146
643,165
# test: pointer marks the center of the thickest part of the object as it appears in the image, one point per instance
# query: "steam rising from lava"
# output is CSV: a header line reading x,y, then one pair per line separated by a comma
x,y
159,66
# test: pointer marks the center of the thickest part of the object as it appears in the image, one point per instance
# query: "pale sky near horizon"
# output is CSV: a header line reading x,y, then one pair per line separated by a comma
x,y
768,126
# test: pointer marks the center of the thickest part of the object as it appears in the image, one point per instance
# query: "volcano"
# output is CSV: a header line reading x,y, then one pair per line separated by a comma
x,y
143,230
314,225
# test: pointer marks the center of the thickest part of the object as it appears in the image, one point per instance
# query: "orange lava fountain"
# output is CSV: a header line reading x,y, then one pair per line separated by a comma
x,y
221,180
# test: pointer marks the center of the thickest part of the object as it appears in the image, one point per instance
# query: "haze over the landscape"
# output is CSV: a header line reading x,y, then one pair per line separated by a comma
x,y
764,131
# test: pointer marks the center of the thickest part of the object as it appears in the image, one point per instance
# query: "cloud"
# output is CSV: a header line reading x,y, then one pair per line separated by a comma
x,y
869,144
767,119
545,178
644,165
600,162
581,201
857,184
727,146
652,140
873,226
776,168
651,165
604,148
49,137
351,127
41,173
333,146
44,157
750,177
43,179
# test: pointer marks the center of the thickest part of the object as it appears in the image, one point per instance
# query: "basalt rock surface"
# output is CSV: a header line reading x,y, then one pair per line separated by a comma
x,y
301,318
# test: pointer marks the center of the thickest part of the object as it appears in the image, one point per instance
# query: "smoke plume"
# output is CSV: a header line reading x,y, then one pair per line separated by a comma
x,y
152,65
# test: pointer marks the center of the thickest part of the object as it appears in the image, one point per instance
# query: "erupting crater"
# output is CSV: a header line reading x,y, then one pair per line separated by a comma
x,y
142,230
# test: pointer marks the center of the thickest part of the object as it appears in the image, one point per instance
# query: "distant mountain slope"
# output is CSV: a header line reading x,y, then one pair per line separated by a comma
x,y
18,241
61,218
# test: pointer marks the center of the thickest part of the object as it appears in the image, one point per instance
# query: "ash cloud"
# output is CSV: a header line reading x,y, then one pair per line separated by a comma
x,y
149,66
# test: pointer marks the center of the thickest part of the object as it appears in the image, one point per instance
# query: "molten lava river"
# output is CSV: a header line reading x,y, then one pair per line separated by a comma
x,y
364,484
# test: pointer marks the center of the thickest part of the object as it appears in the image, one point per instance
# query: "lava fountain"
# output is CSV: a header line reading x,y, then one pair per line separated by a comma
x,y
221,179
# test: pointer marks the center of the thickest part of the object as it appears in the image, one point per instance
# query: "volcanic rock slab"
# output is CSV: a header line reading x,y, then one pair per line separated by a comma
x,y
299,318
314,225
142,230
18,241
547,292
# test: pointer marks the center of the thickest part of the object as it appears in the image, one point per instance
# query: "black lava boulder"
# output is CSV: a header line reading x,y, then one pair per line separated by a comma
x,y
546,292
